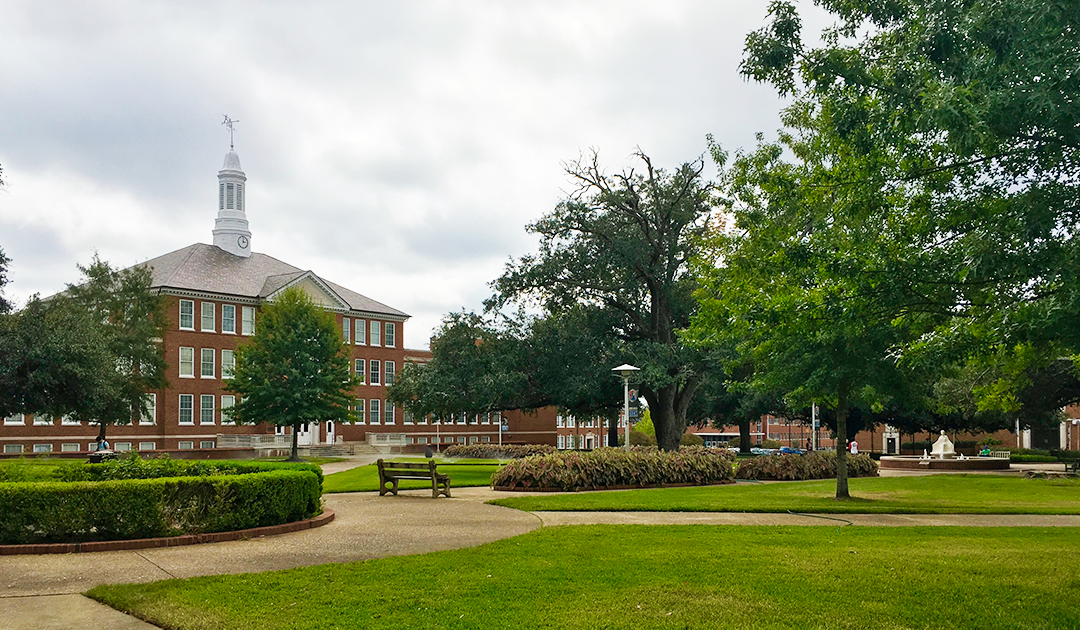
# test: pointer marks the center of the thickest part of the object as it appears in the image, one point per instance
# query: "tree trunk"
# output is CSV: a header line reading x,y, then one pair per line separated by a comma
x,y
841,441
294,455
667,407
613,432
744,435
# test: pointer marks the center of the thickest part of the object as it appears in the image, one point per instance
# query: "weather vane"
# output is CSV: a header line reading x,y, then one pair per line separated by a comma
x,y
229,122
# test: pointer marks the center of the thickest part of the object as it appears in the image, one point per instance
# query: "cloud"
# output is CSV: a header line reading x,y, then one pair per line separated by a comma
x,y
396,148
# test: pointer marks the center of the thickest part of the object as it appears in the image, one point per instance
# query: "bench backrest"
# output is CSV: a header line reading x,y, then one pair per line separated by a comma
x,y
407,468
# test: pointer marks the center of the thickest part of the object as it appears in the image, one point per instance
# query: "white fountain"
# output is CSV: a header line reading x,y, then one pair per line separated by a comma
x,y
942,456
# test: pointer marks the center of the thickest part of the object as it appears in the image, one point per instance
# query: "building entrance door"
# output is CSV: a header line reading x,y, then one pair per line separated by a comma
x,y
329,431
303,436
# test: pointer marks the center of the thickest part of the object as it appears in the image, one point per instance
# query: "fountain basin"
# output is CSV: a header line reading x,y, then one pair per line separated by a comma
x,y
914,462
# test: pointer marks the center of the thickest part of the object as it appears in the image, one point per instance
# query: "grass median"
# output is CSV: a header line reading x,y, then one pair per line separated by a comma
x,y
664,577
932,494
366,478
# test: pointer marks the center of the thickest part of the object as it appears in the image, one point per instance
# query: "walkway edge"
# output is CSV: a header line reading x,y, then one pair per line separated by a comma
x,y
170,541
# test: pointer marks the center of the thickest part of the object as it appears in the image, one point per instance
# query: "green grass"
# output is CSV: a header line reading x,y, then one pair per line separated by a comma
x,y
657,577
932,494
366,478
318,461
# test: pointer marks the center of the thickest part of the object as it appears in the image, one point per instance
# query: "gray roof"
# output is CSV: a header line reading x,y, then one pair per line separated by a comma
x,y
210,269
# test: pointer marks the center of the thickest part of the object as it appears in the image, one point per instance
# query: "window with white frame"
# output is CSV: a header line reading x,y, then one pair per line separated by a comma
x,y
498,418
228,318
185,445
41,420
69,447
209,314
421,440
187,402
461,439
206,409
147,446
388,417
187,362
485,418
122,446
473,439
228,363
15,418
358,410
187,315
69,421
358,367
247,321
408,418
206,369
375,337
92,447
10,449
389,334
462,418
485,438
388,368
149,415
346,334
228,401
376,409
374,370
361,332
570,421
43,448
206,444
422,420
559,421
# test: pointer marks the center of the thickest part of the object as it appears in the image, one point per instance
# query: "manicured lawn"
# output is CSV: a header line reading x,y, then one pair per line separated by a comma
x,y
366,478
318,461
658,577
935,494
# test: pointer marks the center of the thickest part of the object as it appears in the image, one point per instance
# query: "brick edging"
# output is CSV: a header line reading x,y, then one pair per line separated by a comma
x,y
169,541
601,488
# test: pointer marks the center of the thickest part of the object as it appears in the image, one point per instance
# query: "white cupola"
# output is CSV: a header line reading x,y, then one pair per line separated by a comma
x,y
231,227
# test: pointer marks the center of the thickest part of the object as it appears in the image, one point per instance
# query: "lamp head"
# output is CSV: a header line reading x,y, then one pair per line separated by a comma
x,y
625,370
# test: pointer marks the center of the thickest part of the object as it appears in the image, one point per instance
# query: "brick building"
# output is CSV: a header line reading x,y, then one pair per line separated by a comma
x,y
214,294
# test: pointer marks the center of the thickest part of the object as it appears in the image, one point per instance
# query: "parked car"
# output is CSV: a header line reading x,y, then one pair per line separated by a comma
x,y
757,450
787,450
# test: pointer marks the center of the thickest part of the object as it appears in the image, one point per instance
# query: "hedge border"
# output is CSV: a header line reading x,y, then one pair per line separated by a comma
x,y
169,541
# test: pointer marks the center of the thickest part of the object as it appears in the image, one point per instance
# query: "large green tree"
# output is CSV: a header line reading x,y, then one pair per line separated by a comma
x,y
977,107
55,360
620,246
294,370
134,321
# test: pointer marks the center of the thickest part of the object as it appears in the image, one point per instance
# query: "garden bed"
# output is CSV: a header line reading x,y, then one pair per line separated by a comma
x,y
608,468
130,499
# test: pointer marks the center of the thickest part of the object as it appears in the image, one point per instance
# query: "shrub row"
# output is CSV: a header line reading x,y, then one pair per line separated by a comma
x,y
495,451
815,465
47,512
1032,459
134,467
608,467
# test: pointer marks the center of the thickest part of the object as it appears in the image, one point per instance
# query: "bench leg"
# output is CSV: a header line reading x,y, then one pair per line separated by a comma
x,y
389,485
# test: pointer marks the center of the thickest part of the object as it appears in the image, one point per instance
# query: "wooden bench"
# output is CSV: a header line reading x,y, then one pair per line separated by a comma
x,y
392,472
1072,467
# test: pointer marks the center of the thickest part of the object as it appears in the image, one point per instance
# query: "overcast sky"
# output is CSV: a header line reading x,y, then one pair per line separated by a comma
x,y
396,148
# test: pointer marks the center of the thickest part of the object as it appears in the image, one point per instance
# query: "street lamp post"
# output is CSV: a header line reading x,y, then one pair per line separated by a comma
x,y
626,371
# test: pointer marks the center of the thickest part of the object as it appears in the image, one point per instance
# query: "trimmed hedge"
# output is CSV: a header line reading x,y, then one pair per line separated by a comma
x,y
134,467
609,467
48,512
494,451
1032,459
815,465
